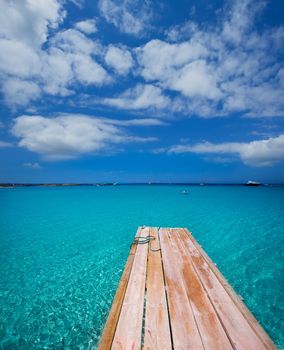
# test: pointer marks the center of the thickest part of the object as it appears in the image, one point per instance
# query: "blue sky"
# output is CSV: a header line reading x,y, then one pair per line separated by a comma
x,y
138,91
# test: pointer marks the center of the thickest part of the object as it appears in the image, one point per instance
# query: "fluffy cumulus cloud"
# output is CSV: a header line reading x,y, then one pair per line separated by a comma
x,y
88,26
160,60
20,92
18,59
73,41
129,16
57,72
255,153
70,59
120,59
16,17
140,97
28,69
219,70
24,29
210,70
69,136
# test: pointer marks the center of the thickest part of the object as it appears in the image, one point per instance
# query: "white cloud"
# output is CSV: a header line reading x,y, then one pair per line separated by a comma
x,y
78,3
181,32
71,59
119,59
24,29
32,165
27,69
26,72
129,16
140,122
19,92
69,136
160,60
231,67
197,79
88,26
88,71
218,70
28,21
240,20
18,59
73,41
127,122
57,72
134,122
79,53
259,153
140,97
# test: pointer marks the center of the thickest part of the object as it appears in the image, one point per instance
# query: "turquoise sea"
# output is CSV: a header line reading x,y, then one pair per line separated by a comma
x,y
63,249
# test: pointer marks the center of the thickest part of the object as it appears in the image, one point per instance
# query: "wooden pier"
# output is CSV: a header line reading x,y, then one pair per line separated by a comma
x,y
172,296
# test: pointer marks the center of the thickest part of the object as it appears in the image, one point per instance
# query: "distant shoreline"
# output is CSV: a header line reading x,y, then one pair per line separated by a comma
x,y
99,184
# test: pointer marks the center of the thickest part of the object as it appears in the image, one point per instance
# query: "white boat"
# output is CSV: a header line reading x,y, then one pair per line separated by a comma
x,y
252,183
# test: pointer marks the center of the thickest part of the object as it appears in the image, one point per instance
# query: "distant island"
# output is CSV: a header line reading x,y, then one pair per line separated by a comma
x,y
12,185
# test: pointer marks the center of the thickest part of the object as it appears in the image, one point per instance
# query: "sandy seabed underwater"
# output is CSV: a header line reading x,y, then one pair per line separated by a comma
x,y
63,249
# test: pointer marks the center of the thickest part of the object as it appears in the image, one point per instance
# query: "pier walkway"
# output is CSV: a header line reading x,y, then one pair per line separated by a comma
x,y
172,296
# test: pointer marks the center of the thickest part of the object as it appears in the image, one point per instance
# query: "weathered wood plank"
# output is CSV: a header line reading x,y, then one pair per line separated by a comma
x,y
235,298
129,327
184,329
211,330
157,327
241,335
111,323
197,309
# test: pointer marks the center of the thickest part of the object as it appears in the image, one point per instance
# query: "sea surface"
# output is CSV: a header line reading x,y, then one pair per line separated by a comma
x,y
63,249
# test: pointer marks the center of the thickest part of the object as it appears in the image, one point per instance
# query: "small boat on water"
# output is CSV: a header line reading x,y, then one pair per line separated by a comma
x,y
252,183
184,192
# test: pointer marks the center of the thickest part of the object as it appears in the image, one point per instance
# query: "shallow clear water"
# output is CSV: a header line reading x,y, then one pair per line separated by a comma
x,y
62,251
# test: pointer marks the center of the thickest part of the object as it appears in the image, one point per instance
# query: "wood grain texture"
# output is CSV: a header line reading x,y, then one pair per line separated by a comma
x,y
157,327
188,303
235,298
129,328
211,330
112,320
184,329
241,335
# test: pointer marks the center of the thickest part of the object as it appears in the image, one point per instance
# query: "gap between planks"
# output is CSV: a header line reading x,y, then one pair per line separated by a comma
x,y
180,303
253,323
